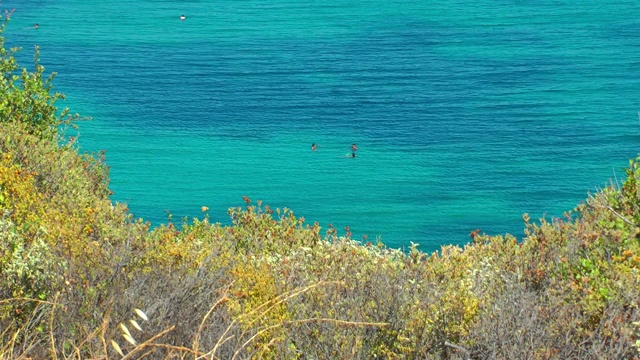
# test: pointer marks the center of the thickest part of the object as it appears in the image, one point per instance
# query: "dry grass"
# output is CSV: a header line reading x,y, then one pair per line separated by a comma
x,y
23,344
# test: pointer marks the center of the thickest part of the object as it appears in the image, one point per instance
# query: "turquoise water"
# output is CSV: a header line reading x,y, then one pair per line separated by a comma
x,y
467,113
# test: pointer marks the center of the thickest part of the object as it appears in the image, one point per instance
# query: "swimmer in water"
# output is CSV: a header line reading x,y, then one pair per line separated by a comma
x,y
35,26
313,147
182,17
354,148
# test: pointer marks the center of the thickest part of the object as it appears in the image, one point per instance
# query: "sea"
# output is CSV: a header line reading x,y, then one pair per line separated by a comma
x,y
466,114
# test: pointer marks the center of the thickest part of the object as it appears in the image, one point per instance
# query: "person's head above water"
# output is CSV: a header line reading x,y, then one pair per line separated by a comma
x,y
35,26
182,17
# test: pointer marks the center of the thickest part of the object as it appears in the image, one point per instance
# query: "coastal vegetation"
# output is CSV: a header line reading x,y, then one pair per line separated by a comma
x,y
81,277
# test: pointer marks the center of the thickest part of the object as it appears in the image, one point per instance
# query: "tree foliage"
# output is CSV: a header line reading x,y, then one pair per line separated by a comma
x,y
27,96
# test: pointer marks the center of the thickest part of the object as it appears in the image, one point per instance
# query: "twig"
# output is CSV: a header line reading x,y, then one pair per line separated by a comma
x,y
458,347
54,355
26,299
271,304
196,340
147,354
103,329
295,322
149,342
177,348
614,213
